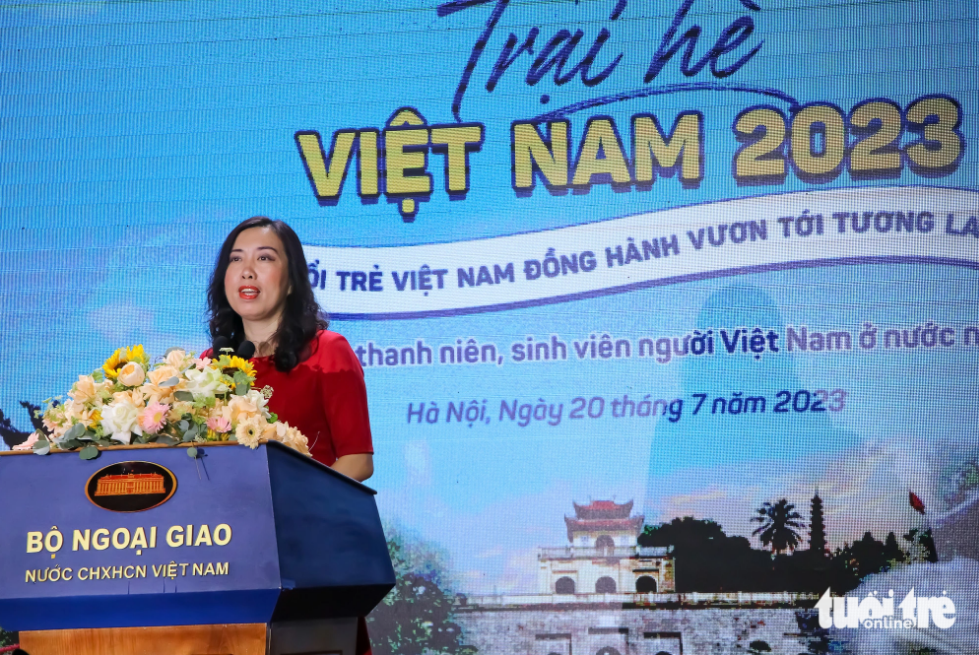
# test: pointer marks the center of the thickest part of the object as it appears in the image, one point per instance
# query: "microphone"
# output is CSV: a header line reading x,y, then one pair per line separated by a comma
x,y
246,350
220,343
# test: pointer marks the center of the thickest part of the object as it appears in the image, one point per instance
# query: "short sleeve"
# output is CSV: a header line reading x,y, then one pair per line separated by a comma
x,y
344,396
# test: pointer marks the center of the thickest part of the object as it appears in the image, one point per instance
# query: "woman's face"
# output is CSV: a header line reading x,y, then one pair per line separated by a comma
x,y
257,280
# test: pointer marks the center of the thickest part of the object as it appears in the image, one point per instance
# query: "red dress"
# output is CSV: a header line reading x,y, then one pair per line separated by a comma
x,y
325,398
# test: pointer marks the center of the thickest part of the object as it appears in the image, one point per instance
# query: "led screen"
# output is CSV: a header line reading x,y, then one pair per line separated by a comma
x,y
667,310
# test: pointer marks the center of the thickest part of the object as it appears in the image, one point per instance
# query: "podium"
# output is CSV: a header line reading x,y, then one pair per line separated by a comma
x,y
146,551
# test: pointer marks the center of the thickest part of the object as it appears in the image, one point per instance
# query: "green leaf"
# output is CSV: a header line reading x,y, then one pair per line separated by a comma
x,y
170,382
192,452
191,434
42,447
70,444
183,425
166,440
273,417
183,396
89,452
77,430
241,383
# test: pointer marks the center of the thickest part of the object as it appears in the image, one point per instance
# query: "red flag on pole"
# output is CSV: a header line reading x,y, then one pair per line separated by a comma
x,y
916,503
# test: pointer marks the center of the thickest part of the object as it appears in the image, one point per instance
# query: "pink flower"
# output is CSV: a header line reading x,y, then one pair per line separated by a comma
x,y
153,417
219,424
27,445
201,363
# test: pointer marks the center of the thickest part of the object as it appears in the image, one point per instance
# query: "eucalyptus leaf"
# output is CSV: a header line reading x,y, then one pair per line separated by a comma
x,y
166,440
105,442
75,431
192,452
89,452
170,382
70,444
190,434
241,383
42,447
183,425
183,396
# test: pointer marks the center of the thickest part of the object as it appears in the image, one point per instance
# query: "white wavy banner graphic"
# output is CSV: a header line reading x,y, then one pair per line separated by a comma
x,y
821,228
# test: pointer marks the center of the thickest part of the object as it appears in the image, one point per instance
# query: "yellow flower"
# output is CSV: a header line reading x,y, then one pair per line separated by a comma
x,y
296,439
248,433
158,376
85,390
177,359
123,356
178,410
287,435
212,436
132,396
242,409
231,364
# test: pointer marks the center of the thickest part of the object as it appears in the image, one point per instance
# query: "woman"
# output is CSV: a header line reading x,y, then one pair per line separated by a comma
x,y
260,292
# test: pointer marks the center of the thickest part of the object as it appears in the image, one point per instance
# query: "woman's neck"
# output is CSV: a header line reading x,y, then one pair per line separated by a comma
x,y
262,334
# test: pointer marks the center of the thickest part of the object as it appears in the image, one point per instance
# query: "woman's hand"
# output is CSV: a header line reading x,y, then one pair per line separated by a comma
x,y
359,466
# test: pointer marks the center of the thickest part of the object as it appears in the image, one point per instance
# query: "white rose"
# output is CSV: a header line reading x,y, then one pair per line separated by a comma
x,y
205,383
260,402
119,419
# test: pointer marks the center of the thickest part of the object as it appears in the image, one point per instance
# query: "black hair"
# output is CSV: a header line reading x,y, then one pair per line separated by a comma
x,y
302,316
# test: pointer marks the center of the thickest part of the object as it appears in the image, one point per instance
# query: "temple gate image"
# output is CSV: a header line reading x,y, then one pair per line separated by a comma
x,y
603,556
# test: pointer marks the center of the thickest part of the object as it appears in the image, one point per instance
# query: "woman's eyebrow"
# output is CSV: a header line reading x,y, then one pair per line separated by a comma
x,y
272,248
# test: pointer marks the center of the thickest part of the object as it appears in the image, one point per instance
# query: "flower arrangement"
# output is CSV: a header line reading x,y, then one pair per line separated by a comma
x,y
179,399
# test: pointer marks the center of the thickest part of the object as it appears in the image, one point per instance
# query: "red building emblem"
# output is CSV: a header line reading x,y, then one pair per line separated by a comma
x,y
130,485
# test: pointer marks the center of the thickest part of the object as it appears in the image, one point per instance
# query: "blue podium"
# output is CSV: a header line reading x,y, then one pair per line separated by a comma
x,y
146,550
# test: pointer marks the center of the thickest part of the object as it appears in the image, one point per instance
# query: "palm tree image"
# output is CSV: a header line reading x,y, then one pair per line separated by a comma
x,y
779,523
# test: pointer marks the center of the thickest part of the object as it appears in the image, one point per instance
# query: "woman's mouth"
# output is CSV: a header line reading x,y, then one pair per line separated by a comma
x,y
247,293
